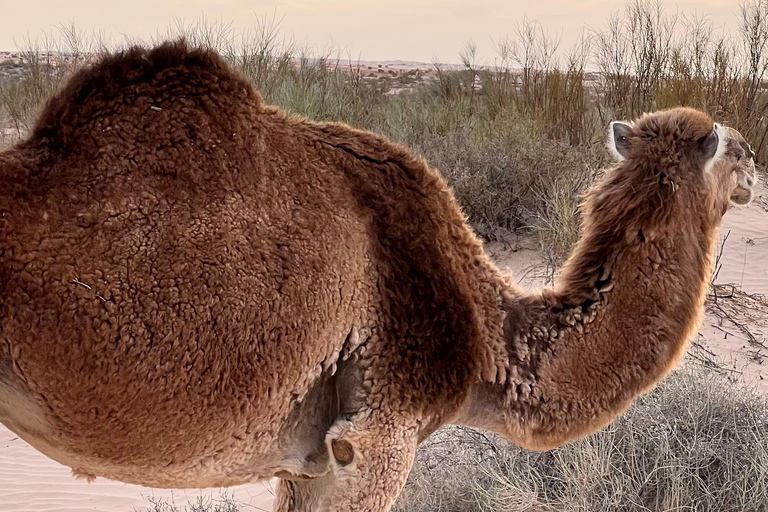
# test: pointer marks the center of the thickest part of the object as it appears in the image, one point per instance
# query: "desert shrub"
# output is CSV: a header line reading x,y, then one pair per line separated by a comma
x,y
506,178
696,442
226,502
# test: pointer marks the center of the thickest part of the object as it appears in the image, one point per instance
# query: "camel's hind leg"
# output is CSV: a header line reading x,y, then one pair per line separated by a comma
x,y
301,495
371,458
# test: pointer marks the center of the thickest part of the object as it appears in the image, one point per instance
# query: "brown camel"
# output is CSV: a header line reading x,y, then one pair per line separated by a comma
x,y
201,290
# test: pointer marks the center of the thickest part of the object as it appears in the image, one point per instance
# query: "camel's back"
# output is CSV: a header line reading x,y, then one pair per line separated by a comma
x,y
176,255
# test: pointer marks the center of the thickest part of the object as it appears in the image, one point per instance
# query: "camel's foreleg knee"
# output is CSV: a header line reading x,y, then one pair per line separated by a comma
x,y
371,459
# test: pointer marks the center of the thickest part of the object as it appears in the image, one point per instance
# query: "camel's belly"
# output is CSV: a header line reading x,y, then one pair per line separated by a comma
x,y
25,420
261,466
296,451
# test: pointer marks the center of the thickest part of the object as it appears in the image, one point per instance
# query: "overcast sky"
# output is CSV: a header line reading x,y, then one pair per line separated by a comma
x,y
421,30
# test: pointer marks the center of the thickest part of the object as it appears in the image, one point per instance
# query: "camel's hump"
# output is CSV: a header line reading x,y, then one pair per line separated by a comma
x,y
157,72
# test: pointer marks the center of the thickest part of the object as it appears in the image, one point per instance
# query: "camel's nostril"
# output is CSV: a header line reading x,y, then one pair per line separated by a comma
x,y
750,181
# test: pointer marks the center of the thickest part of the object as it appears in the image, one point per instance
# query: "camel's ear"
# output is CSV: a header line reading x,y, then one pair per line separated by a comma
x,y
618,139
712,146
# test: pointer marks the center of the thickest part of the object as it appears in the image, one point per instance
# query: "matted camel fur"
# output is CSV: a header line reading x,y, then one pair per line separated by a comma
x,y
199,289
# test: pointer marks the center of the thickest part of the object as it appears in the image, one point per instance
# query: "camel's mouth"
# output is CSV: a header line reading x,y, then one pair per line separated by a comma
x,y
746,179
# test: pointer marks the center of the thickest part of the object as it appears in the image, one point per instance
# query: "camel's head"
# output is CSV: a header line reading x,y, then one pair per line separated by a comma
x,y
679,160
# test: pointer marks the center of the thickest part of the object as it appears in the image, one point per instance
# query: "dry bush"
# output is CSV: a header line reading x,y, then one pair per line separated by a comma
x,y
649,60
696,442
507,178
46,63
530,80
225,503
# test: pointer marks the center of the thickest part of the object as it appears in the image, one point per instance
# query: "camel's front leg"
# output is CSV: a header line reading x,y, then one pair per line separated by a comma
x,y
371,460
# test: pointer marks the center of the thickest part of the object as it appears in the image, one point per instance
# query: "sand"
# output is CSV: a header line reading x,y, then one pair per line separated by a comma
x,y
734,337
745,250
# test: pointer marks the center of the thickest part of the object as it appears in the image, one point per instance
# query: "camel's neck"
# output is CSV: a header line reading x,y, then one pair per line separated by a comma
x,y
617,322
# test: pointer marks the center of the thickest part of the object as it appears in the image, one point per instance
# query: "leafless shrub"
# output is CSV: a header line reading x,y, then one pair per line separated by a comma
x,y
225,503
696,442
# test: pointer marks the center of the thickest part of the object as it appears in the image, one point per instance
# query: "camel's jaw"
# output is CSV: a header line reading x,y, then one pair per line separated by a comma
x,y
746,180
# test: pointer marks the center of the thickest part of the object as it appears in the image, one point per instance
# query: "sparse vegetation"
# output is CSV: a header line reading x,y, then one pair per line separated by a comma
x,y
224,503
697,442
520,139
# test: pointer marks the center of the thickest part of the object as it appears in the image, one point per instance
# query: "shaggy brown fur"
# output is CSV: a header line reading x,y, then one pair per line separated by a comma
x,y
200,290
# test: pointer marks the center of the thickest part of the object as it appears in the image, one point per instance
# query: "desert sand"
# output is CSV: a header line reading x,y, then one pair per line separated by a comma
x,y
734,336
732,340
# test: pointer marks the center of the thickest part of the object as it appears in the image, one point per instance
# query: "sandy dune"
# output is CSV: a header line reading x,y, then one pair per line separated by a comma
x,y
745,251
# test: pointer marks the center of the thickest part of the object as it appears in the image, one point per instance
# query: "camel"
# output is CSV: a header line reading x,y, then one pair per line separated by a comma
x,y
199,289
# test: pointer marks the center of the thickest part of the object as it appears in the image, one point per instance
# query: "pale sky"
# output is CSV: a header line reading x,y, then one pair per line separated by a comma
x,y
420,30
